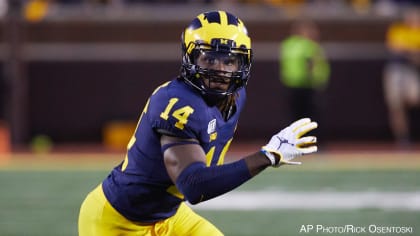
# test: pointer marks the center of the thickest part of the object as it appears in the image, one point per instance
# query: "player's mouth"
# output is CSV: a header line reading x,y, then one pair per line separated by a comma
x,y
219,85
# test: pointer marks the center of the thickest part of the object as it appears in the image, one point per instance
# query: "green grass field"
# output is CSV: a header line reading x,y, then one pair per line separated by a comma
x,y
41,196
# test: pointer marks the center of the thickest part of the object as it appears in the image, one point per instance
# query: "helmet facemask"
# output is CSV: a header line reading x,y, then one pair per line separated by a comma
x,y
208,79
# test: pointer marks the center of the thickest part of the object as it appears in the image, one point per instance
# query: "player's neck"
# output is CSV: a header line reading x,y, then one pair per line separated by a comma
x,y
227,107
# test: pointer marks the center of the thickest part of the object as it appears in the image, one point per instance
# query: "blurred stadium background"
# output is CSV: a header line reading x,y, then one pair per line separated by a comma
x,y
75,74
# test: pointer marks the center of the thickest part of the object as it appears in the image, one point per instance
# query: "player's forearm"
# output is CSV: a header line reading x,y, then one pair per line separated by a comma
x,y
256,163
199,183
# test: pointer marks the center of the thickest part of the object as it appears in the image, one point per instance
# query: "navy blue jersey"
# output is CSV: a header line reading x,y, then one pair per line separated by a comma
x,y
140,188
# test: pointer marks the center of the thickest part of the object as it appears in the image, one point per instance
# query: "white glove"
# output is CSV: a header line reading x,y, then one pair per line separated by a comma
x,y
289,143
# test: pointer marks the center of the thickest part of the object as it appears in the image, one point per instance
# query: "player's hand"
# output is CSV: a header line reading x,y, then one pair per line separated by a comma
x,y
289,143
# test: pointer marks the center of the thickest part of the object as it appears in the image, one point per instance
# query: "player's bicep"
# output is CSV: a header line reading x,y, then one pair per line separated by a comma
x,y
179,153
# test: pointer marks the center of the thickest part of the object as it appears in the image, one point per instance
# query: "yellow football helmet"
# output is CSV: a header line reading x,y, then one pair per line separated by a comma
x,y
216,33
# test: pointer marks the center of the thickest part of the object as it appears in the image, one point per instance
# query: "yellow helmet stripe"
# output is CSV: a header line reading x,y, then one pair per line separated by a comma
x,y
223,18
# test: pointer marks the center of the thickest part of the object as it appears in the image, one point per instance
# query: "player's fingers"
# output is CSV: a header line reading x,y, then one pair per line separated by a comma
x,y
299,123
306,141
306,128
309,149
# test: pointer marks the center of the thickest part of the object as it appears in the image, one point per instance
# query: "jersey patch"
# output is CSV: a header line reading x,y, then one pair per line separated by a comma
x,y
211,127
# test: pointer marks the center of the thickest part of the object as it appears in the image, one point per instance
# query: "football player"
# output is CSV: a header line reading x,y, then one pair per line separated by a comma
x,y
178,148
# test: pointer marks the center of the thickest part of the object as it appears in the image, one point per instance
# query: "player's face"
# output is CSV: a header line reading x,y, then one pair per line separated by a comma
x,y
222,63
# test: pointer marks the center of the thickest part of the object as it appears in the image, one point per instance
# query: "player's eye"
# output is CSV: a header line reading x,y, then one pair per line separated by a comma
x,y
231,61
211,60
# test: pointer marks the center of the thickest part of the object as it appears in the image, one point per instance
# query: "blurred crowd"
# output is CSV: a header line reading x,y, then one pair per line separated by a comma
x,y
358,5
355,3
36,10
